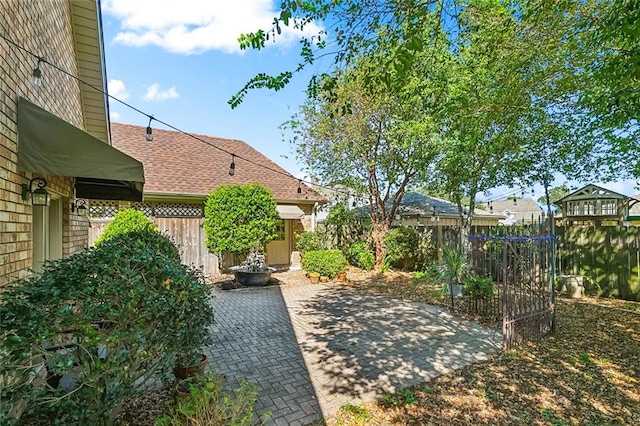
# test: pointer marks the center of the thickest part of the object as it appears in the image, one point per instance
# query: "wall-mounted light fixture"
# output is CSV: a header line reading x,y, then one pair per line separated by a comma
x,y
39,196
79,207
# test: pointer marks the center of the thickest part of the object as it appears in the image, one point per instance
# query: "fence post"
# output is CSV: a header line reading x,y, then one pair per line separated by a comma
x,y
505,317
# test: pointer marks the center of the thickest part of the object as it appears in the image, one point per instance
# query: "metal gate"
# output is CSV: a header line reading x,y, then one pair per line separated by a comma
x,y
521,262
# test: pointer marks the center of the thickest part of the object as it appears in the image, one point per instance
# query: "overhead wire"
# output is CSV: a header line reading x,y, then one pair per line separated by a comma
x,y
42,60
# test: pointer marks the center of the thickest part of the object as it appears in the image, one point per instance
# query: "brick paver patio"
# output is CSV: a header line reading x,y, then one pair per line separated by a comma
x,y
312,348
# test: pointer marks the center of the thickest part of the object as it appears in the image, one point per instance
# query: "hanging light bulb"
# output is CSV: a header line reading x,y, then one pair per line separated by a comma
x,y
299,187
149,135
232,166
353,204
36,75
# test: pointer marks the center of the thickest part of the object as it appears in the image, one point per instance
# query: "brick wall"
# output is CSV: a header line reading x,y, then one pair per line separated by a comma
x,y
44,28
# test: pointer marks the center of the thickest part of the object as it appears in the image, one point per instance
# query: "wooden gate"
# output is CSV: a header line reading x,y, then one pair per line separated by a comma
x,y
186,232
521,262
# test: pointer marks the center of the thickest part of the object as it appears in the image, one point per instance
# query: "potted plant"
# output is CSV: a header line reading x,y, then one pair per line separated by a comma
x,y
453,269
314,277
241,219
193,334
342,274
327,263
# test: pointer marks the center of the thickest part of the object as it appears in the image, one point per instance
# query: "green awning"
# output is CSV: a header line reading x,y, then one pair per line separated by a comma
x,y
50,145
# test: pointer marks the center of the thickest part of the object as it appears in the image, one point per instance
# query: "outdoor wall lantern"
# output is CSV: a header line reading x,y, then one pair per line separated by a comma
x,y
39,196
79,207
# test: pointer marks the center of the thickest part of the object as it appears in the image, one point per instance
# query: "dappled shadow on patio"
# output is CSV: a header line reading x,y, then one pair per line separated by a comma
x,y
360,346
253,340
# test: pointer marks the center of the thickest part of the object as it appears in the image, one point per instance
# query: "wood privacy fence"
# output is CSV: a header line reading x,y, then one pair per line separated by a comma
x,y
187,233
608,258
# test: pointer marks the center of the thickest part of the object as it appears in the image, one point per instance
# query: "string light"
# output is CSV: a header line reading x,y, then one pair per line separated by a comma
x,y
149,135
36,74
299,187
149,132
232,166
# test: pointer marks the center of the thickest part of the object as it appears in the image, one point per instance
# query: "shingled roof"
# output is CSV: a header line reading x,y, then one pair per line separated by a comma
x,y
177,164
524,208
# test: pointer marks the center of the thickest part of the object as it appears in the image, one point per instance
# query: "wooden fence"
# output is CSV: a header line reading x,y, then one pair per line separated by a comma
x,y
186,232
608,258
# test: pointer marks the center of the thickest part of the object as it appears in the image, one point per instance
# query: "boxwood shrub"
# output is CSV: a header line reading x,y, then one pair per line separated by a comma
x,y
127,220
324,262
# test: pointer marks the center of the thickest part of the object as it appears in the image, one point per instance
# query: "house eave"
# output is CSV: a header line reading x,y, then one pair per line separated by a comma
x,y
87,36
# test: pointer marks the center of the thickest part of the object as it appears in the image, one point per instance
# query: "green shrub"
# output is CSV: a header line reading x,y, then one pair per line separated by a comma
x,y
109,317
409,249
361,256
208,404
324,262
309,241
127,220
479,286
239,219
401,243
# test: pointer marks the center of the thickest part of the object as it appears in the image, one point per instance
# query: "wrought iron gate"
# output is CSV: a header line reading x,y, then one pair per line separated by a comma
x,y
522,265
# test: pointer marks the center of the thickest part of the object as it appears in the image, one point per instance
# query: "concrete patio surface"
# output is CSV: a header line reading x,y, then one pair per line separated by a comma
x,y
312,348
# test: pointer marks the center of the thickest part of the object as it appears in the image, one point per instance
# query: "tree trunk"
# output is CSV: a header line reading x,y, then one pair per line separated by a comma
x,y
379,232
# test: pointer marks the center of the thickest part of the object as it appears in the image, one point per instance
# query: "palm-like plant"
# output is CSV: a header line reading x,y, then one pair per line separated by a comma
x,y
454,267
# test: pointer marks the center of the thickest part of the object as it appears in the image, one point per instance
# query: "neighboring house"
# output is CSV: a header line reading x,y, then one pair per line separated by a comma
x,y
634,211
423,210
519,211
53,137
181,170
593,205
433,214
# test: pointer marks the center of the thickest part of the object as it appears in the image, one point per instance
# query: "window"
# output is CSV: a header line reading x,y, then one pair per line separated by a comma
x,y
280,231
609,207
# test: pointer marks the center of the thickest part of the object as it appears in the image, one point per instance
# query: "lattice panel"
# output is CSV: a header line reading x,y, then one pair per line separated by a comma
x,y
103,208
178,210
146,208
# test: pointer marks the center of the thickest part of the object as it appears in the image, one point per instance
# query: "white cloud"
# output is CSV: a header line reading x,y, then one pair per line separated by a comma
x,y
155,94
195,26
117,89
114,115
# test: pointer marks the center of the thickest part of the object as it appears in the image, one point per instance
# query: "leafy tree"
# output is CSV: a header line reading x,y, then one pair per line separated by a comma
x,y
358,28
375,139
240,218
555,193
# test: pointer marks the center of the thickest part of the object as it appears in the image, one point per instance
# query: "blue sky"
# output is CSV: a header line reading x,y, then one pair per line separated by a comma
x,y
180,61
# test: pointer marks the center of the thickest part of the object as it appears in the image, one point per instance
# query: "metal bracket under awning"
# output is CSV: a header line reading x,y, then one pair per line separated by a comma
x,y
49,145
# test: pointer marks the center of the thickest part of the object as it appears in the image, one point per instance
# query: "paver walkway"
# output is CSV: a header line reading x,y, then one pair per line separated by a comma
x,y
312,348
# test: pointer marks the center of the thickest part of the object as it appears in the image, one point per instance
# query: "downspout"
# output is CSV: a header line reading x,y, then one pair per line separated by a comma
x,y
313,217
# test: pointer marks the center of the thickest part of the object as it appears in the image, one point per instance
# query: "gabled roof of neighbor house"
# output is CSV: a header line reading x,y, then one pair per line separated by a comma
x,y
176,164
590,192
524,208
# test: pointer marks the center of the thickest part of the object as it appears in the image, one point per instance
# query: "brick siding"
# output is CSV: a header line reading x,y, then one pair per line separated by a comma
x,y
43,27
